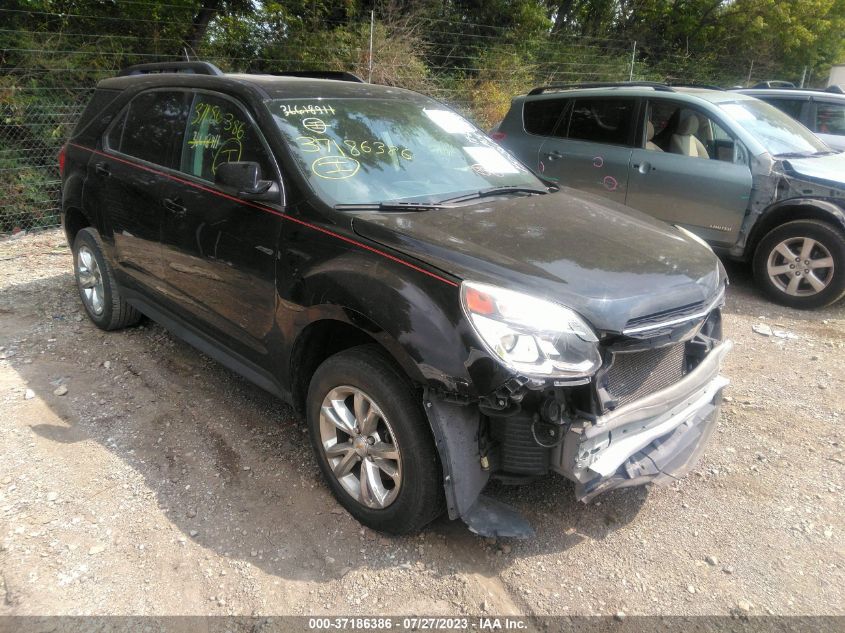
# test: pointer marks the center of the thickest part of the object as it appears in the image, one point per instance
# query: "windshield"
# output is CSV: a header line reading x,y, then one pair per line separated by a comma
x,y
368,151
778,132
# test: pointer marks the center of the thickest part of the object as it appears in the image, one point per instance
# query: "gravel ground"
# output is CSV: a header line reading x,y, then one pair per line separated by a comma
x,y
137,476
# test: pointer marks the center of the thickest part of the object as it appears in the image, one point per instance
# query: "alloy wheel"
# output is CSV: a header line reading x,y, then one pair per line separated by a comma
x,y
361,447
800,266
90,280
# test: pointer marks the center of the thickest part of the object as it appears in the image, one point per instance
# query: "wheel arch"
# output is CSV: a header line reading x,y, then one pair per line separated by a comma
x,y
332,330
796,209
74,220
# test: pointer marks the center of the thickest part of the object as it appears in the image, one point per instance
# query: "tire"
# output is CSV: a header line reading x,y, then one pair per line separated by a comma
x,y
366,376
817,285
100,294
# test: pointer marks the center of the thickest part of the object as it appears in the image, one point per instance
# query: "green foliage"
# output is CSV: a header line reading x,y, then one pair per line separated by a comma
x,y
473,54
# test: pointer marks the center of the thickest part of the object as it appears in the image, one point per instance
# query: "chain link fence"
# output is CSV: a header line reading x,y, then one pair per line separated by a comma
x,y
474,68
30,138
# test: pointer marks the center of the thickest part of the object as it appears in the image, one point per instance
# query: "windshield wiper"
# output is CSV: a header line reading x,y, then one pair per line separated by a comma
x,y
389,206
495,191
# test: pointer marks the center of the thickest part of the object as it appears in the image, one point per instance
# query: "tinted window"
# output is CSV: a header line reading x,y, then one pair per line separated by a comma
x,y
116,132
830,118
602,120
540,117
791,106
154,126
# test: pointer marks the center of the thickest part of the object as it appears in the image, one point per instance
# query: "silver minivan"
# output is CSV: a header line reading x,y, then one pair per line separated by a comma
x,y
739,173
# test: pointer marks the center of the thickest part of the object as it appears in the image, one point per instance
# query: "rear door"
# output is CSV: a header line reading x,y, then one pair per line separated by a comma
x,y
709,194
219,251
592,146
524,135
129,179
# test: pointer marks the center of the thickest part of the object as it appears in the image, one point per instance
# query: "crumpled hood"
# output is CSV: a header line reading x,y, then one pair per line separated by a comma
x,y
605,261
829,169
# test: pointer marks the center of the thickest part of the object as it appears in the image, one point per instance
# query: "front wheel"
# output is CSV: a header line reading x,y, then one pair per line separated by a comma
x,y
373,442
801,264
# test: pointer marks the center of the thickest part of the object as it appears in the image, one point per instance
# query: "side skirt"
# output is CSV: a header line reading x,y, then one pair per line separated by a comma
x,y
226,357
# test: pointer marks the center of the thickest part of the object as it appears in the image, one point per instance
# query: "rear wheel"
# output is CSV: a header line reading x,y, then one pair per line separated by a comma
x,y
373,443
100,294
801,264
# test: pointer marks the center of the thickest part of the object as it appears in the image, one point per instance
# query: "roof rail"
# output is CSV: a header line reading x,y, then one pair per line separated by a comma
x,y
337,75
195,68
774,83
702,86
603,84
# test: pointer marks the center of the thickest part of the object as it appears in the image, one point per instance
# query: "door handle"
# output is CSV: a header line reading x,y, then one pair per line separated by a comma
x,y
102,169
644,168
554,155
174,205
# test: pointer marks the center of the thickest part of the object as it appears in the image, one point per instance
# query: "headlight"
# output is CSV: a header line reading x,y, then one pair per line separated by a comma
x,y
530,335
694,237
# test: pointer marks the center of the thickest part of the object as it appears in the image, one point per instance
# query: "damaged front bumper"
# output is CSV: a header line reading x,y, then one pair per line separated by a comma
x,y
653,440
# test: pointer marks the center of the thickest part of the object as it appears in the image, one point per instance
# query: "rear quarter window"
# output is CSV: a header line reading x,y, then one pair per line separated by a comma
x,y
96,114
541,116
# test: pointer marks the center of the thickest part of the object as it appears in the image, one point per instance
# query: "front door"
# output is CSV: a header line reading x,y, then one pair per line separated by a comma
x,y
691,172
593,147
220,252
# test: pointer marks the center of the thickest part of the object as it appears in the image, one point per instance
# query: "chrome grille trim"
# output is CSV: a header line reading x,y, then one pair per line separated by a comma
x,y
700,314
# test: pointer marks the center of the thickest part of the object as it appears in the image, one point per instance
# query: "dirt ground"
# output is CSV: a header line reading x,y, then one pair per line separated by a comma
x,y
161,483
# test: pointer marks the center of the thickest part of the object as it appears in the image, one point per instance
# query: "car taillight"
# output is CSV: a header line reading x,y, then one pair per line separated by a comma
x,y
62,161
498,136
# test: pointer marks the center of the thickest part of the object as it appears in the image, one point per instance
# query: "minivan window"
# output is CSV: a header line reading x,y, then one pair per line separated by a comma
x,y
361,151
791,106
219,131
154,125
541,116
602,121
830,118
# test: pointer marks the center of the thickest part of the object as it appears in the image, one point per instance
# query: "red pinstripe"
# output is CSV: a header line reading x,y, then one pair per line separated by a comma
x,y
261,207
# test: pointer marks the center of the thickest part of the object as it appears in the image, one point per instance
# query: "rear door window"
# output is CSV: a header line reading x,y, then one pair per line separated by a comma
x,y
153,127
220,131
607,121
541,116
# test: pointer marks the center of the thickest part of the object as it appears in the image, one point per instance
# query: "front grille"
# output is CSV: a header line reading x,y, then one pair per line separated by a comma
x,y
633,375
666,315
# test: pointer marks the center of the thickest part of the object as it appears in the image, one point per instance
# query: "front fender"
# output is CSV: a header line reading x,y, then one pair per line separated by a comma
x,y
417,319
791,209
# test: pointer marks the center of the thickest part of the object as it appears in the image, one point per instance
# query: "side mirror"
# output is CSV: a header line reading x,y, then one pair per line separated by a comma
x,y
244,179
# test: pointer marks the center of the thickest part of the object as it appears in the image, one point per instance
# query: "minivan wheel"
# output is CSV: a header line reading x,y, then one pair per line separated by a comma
x,y
373,442
801,264
100,294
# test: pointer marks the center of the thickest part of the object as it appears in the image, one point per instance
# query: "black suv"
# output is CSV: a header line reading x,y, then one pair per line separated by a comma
x,y
439,314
